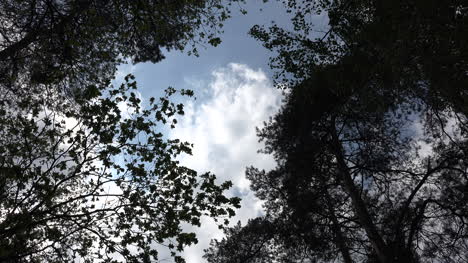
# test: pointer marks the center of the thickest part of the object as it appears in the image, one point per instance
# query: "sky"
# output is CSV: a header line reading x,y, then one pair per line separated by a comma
x,y
234,95
182,71
222,129
221,124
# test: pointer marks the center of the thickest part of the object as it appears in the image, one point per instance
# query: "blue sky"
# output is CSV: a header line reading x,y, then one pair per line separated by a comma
x,y
237,46
234,94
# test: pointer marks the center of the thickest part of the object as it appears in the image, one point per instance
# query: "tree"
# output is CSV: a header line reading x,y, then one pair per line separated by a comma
x,y
74,43
262,241
81,179
371,142
87,182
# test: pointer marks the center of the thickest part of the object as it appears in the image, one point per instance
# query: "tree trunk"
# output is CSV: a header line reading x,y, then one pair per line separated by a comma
x,y
339,238
358,204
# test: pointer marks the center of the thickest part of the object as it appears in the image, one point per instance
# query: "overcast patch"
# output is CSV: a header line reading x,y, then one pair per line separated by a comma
x,y
222,129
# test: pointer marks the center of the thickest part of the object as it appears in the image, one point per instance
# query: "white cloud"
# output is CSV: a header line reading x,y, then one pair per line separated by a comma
x,y
124,69
222,129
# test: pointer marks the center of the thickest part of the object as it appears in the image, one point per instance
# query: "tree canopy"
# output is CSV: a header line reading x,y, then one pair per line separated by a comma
x,y
74,43
371,141
85,171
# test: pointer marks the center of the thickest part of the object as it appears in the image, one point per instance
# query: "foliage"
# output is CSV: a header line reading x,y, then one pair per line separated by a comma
x,y
371,141
85,171
75,43
422,40
260,241
95,182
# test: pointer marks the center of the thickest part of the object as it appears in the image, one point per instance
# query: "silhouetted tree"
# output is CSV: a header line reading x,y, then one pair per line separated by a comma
x,y
95,183
85,171
371,142
77,42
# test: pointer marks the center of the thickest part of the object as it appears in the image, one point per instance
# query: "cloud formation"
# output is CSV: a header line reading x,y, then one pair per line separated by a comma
x,y
222,129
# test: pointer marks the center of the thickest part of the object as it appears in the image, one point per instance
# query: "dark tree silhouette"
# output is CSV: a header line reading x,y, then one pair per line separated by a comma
x,y
85,171
371,140
78,42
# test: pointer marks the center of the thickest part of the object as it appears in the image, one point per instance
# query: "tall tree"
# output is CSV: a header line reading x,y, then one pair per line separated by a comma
x,y
371,143
81,179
